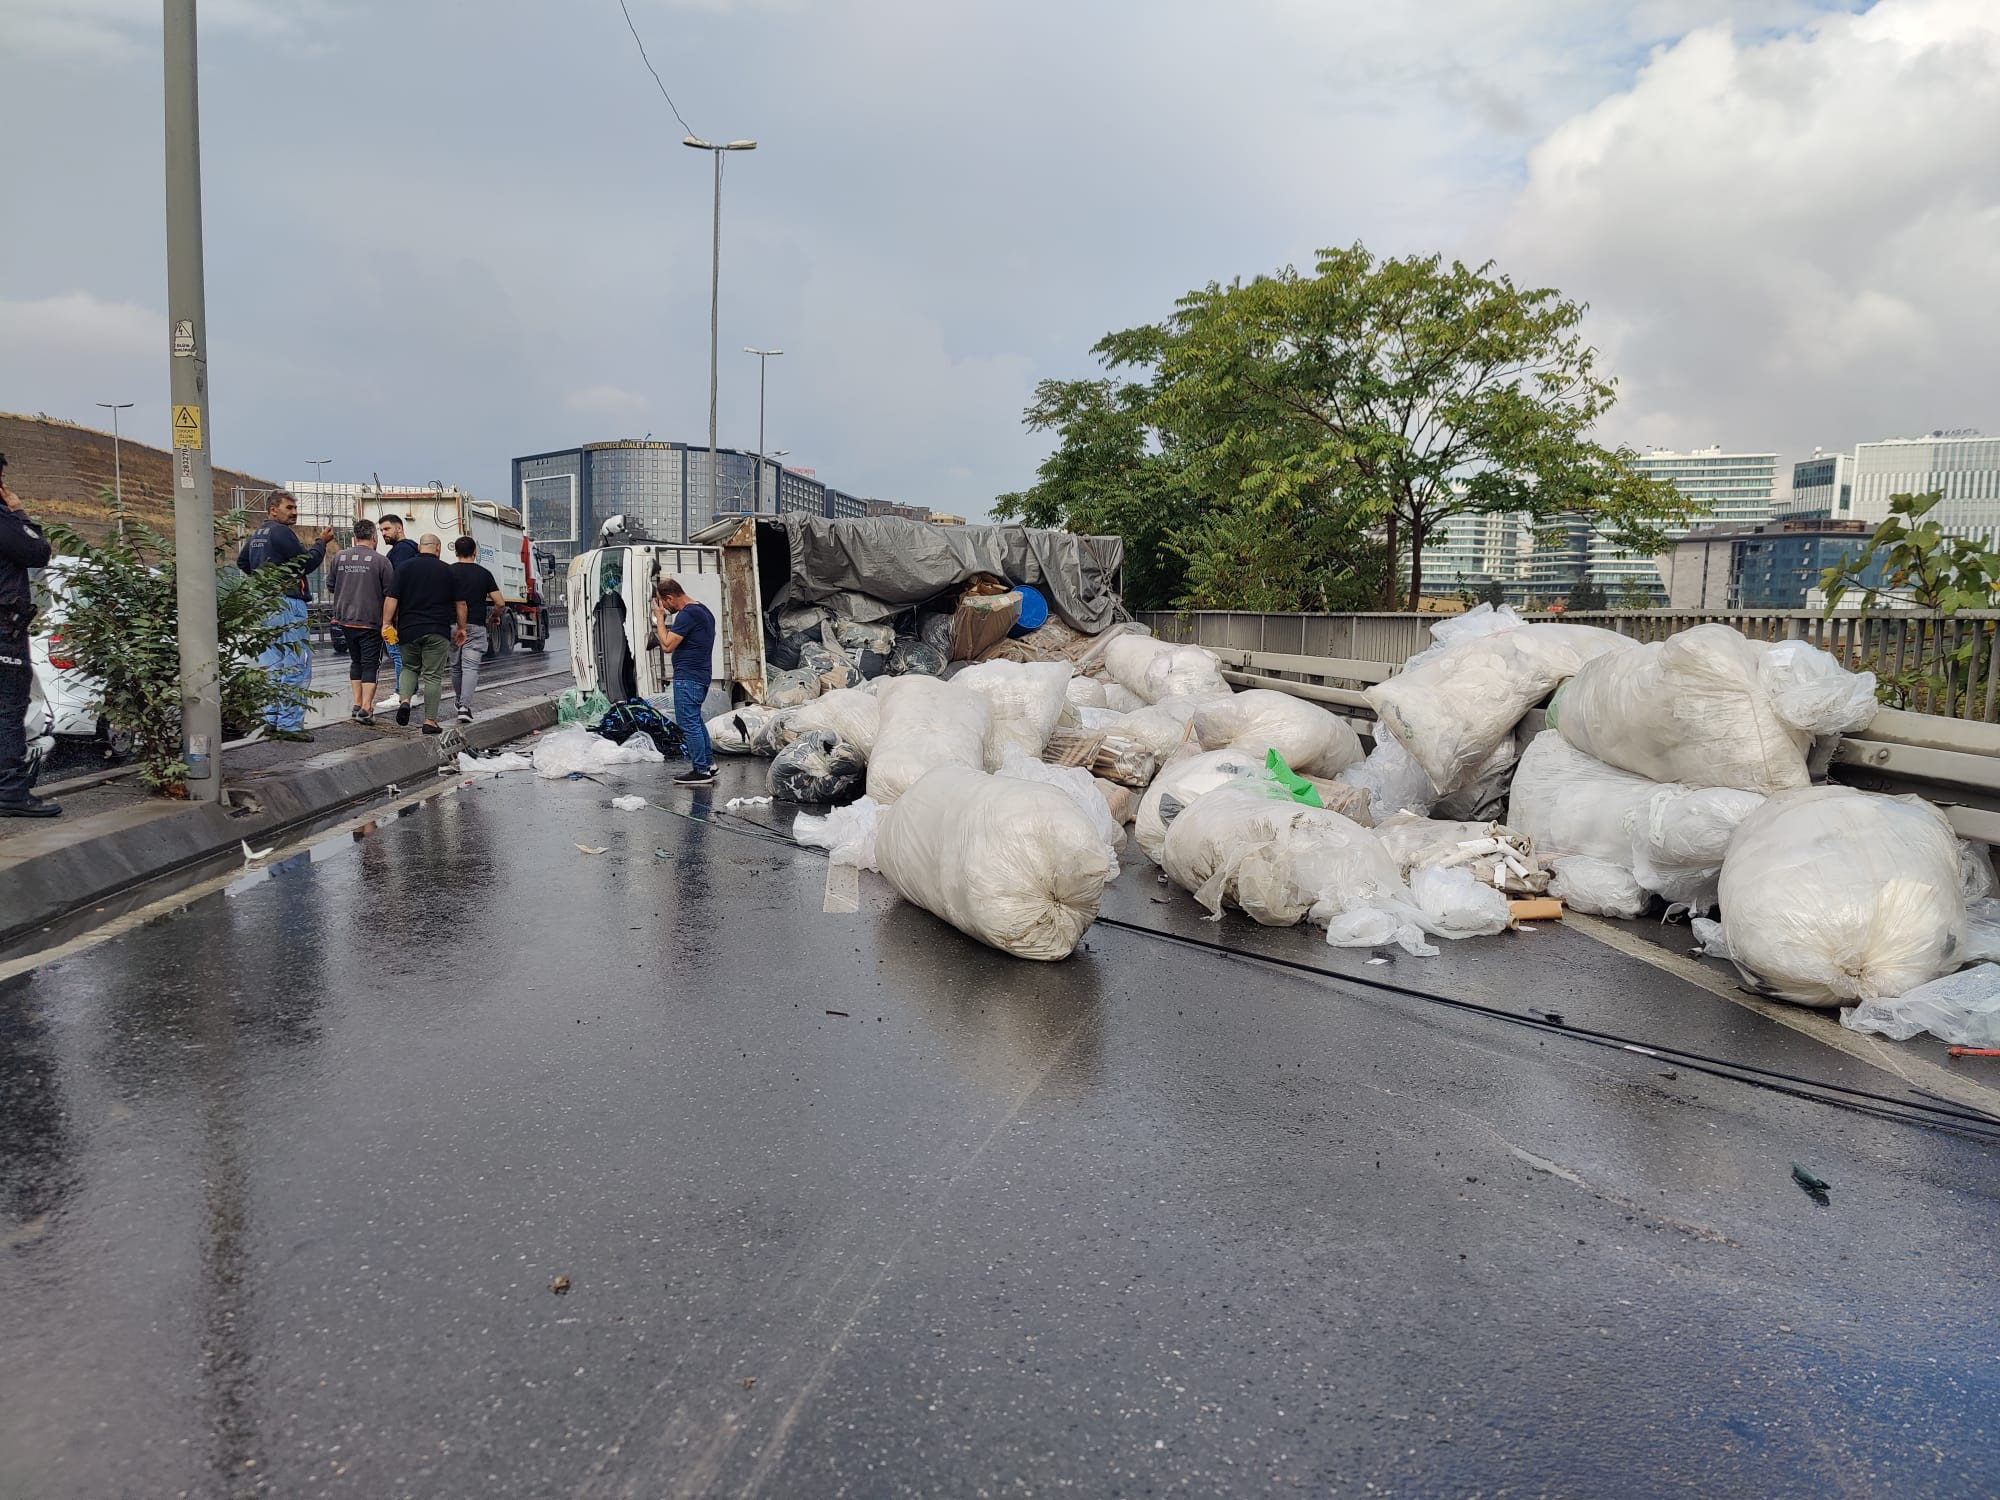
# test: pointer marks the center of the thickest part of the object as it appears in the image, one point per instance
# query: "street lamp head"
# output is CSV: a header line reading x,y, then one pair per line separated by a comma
x,y
697,142
761,352
741,146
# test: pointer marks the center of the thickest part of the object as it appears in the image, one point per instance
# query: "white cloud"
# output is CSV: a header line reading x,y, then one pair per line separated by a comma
x,y
1789,240
126,29
607,402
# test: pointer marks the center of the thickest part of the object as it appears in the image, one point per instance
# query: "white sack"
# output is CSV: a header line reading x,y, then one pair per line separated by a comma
x,y
1182,783
576,751
1085,692
925,723
1679,838
1812,691
1457,906
1166,728
1691,708
1393,780
852,713
1152,670
492,765
1453,705
1982,930
1276,860
1570,804
1011,863
1312,741
1975,870
735,732
1962,1009
1830,895
1097,720
1484,797
1597,887
1026,698
1122,699
1074,783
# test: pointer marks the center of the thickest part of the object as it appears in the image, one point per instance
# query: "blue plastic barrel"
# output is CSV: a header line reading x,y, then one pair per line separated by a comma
x,y
1034,609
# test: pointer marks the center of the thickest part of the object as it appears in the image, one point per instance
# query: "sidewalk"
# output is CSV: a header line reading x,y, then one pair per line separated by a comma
x,y
112,836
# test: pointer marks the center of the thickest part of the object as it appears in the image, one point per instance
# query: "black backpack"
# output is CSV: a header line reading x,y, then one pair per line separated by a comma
x,y
636,716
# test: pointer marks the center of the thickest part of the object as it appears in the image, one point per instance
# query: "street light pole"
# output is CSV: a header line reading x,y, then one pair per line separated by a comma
x,y
193,483
764,357
319,479
714,312
117,464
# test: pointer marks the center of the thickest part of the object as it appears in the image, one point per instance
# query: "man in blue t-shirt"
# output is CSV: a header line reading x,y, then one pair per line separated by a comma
x,y
688,638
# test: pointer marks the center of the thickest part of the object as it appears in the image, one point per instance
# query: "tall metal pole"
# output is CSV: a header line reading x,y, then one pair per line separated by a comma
x,y
764,357
194,485
714,330
117,463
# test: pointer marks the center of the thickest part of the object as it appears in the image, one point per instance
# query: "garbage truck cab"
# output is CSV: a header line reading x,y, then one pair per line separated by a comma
x,y
612,645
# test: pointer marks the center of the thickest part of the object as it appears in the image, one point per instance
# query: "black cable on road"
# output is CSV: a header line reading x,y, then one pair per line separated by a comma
x,y
1966,1121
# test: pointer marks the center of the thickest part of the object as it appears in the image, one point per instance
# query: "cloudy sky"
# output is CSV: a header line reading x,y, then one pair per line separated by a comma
x,y
441,233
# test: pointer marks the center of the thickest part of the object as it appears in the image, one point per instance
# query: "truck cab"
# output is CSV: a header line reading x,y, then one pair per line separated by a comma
x,y
612,645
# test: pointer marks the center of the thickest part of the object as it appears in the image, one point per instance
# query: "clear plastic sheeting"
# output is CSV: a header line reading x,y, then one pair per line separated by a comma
x,y
819,767
1179,785
852,713
1153,670
1812,691
575,751
1569,803
1011,863
1312,741
847,833
1693,708
1167,729
1491,853
1074,783
925,724
1982,930
1975,870
1597,887
1085,692
492,765
1452,706
1962,1009
1830,895
1709,940
791,689
1026,699
1456,904
1121,699
1393,781
733,733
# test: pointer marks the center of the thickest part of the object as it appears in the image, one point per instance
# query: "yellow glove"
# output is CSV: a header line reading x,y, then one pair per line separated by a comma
x,y
388,635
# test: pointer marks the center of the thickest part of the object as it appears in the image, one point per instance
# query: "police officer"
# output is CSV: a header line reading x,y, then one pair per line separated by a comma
x,y
22,546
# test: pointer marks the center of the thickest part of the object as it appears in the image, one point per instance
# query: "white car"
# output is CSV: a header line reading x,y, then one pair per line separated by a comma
x,y
40,725
71,696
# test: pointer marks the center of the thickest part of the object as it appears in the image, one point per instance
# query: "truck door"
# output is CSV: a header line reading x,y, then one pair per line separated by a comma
x,y
699,570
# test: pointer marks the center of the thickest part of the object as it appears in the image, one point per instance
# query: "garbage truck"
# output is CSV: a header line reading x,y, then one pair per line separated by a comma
x,y
505,549
748,568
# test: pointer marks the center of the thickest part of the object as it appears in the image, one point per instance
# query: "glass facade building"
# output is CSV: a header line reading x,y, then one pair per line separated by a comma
x,y
1966,468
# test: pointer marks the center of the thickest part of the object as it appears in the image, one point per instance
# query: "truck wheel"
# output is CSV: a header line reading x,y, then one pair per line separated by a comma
x,y
539,644
503,636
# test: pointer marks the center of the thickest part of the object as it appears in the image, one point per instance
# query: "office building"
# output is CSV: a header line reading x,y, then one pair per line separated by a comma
x,y
1822,485
1728,489
1475,549
568,494
1964,465
1775,565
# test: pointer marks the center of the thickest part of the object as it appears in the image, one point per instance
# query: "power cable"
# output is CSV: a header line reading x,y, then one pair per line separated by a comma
x,y
654,71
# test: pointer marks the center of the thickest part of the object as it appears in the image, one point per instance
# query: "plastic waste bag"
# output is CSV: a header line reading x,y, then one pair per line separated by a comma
x,y
629,804
1167,729
1692,708
1982,930
574,750
1179,785
1975,870
492,765
1457,905
1709,941
1830,895
1121,801
1026,699
854,715
1451,706
1962,1009
733,732
847,833
1012,863
1073,782
1491,853
1680,836
1122,699
1085,692
855,637
791,689
1392,780
575,706
1597,887
1310,739
924,724
934,630
818,766
1154,670
1812,691
1569,803
1484,798
772,733
910,655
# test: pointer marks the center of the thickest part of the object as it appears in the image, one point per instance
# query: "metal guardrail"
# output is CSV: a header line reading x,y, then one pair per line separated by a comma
x,y
1953,762
1950,668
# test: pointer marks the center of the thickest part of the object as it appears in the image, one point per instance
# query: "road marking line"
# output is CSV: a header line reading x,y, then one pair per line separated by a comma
x,y
1821,1026
843,888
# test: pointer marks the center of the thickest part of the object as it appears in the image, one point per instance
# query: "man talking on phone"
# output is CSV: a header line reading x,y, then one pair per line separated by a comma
x,y
688,638
22,546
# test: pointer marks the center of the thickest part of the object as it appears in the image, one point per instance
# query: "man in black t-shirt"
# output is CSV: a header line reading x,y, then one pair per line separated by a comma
x,y
399,549
423,608
480,606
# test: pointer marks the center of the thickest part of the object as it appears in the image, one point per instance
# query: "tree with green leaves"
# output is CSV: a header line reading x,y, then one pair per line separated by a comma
x,y
1327,425
1585,596
121,626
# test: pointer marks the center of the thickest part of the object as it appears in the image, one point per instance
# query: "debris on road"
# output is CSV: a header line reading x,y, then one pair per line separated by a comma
x,y
560,1286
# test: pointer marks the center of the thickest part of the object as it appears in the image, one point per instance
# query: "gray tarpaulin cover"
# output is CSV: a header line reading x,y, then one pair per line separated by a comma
x,y
872,569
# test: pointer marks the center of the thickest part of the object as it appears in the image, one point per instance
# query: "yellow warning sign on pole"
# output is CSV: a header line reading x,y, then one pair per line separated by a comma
x,y
187,426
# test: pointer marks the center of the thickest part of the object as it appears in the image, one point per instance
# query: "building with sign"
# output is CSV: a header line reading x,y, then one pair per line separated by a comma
x,y
1965,466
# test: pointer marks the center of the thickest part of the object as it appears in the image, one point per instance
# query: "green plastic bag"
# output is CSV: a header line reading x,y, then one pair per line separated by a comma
x,y
1300,789
578,707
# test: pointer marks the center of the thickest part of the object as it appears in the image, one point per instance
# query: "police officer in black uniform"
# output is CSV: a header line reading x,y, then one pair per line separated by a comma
x,y
22,546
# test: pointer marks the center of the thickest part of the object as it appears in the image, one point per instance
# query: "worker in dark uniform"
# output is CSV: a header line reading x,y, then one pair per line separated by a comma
x,y
22,546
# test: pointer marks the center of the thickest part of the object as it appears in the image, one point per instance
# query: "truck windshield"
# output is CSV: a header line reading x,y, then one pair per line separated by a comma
x,y
611,572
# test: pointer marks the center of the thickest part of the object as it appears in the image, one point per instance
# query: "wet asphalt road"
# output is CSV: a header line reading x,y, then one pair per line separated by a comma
x,y
285,1178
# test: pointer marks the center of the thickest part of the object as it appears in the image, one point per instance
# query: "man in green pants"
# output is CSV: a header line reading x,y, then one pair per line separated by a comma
x,y
422,607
